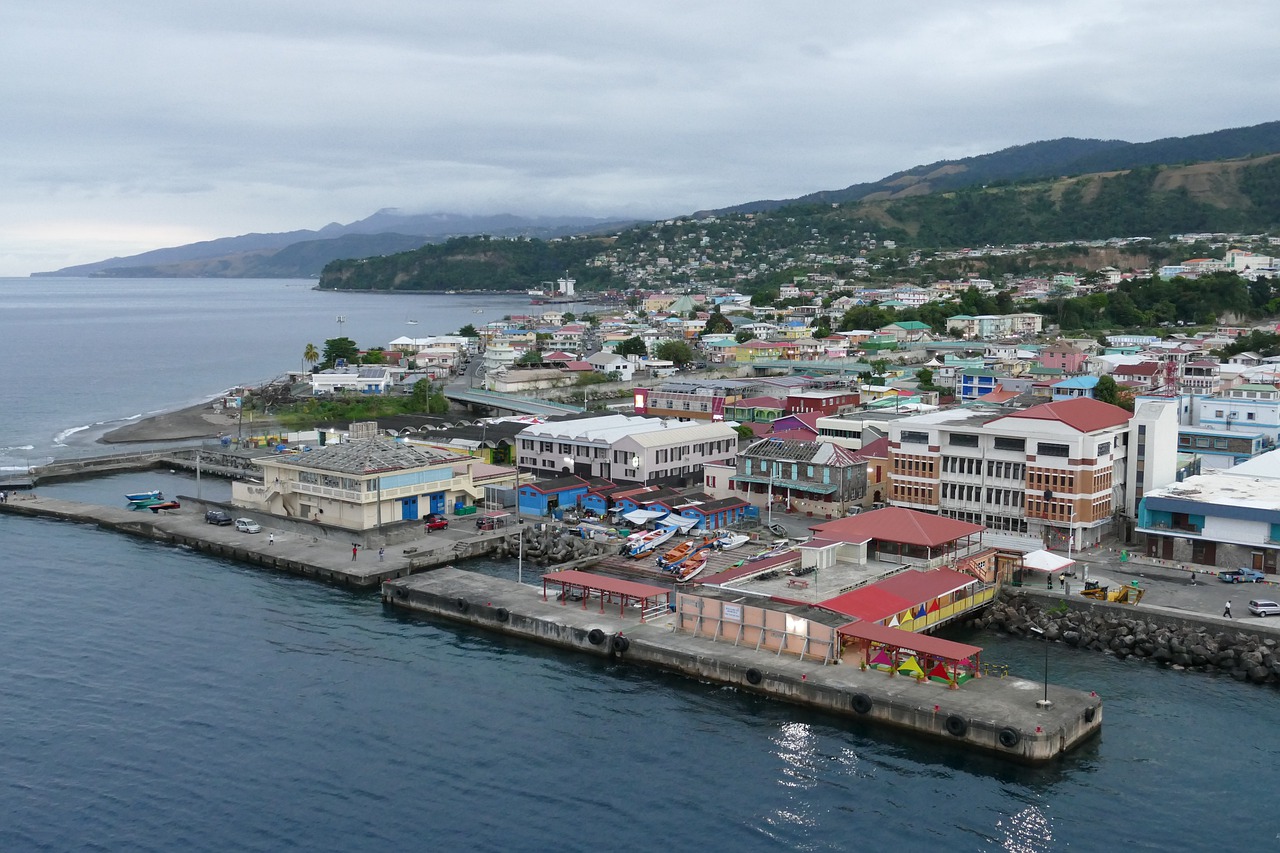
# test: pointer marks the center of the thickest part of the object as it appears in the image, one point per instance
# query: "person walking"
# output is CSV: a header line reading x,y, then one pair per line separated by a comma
x,y
271,539
354,548
382,552
1226,611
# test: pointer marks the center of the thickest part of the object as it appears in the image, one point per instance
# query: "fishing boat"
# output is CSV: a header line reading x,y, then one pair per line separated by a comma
x,y
154,494
677,555
728,540
156,507
145,503
691,567
780,547
646,543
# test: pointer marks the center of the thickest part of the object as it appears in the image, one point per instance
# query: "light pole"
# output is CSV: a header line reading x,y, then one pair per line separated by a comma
x,y
1044,703
635,464
773,466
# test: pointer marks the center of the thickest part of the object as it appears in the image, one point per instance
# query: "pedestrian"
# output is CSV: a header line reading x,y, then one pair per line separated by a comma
x,y
1062,581
1227,610
382,552
271,539
354,546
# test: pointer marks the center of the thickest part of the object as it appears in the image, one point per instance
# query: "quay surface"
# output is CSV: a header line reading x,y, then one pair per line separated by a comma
x,y
323,555
993,714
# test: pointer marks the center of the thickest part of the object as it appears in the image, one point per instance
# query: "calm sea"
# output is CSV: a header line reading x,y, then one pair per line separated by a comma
x,y
154,699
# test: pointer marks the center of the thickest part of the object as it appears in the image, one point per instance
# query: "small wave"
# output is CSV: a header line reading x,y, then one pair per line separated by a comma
x,y
17,447
60,440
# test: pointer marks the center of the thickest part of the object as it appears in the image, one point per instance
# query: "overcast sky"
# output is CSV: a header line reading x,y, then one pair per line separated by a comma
x,y
132,125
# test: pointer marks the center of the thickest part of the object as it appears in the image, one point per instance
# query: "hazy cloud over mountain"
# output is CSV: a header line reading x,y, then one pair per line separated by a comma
x,y
137,124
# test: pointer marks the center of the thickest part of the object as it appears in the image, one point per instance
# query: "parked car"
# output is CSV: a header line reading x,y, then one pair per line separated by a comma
x,y
435,521
1241,576
218,517
248,525
1264,607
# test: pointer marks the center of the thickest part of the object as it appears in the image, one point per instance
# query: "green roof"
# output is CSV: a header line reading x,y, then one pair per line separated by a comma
x,y
1253,386
1046,371
909,324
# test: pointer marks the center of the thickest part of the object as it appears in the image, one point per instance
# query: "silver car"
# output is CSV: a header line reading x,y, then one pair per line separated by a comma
x,y
248,525
1264,607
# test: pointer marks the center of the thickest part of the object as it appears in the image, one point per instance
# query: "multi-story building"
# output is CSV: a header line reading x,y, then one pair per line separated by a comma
x,y
625,449
802,476
1202,378
1057,470
1253,407
699,401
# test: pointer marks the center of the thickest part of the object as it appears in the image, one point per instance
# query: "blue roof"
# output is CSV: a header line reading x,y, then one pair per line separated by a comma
x,y
1078,382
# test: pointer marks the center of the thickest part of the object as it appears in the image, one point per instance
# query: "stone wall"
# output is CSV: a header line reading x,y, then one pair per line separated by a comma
x,y
1125,631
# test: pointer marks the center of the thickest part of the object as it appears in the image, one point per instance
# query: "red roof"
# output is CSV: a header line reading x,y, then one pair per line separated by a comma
x,y
878,449
997,396
771,402
919,643
897,524
1145,368
870,603
605,584
926,586
1080,413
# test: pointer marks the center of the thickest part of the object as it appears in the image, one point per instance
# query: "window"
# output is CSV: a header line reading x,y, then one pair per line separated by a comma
x,y
1001,443
911,437
961,440
1249,416
1044,448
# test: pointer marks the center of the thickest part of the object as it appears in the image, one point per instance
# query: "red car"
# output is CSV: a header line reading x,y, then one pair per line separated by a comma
x,y
436,522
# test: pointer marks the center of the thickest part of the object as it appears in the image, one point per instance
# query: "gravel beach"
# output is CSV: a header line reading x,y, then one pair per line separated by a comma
x,y
200,421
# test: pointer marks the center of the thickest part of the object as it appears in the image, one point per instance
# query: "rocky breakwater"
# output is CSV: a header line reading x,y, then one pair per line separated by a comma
x,y
1181,643
552,545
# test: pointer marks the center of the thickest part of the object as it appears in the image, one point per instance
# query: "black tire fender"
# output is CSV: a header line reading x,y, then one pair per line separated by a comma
x,y
620,644
595,636
862,703
503,614
462,605
1009,737
1090,713
755,676
956,725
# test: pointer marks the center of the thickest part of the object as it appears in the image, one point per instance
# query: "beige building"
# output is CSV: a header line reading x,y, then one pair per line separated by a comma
x,y
367,482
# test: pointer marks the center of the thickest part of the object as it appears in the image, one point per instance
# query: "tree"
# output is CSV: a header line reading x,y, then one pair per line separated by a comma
x,y
924,376
421,396
632,346
822,328
374,356
744,335
438,404
339,348
468,331
678,352
1107,391
744,431
569,317
310,355
717,324
530,357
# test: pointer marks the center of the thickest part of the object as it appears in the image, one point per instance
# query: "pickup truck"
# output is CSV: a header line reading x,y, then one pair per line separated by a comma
x,y
1241,576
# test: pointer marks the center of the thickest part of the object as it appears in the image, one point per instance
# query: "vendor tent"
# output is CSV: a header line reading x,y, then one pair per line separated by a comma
x,y
1046,561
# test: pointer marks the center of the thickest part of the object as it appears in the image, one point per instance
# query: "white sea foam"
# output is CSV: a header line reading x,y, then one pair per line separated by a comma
x,y
60,440
17,447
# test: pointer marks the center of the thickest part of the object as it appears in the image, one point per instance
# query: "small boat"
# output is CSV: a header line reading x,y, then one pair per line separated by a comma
x,y
676,555
154,494
411,322
728,540
145,503
156,507
646,543
780,547
691,567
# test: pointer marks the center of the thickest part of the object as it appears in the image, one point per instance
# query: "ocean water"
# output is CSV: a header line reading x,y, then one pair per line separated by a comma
x,y
156,699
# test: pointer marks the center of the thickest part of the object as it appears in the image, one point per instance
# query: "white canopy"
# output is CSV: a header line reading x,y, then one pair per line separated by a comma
x,y
1045,561
678,521
641,516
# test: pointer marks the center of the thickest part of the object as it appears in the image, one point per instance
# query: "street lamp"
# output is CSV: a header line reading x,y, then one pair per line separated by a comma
x,y
1045,702
635,464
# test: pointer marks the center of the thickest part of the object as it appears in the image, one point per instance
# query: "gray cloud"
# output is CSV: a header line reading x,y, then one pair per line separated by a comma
x,y
133,125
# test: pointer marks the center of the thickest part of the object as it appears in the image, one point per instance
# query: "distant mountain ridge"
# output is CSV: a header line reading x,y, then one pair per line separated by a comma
x,y
304,253
1053,158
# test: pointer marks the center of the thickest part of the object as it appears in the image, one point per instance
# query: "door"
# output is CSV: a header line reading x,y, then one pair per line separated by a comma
x,y
409,509
1257,561
1166,544
437,503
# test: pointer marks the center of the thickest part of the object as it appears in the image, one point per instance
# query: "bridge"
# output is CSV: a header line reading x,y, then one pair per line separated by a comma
x,y
509,402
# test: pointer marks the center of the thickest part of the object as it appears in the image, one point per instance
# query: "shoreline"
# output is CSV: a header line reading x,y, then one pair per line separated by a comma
x,y
189,422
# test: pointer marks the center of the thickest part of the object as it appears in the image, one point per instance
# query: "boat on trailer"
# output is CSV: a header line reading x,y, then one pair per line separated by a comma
x,y
777,548
137,497
648,542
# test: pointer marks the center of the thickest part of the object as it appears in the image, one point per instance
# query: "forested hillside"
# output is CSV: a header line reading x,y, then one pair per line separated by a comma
x,y
471,263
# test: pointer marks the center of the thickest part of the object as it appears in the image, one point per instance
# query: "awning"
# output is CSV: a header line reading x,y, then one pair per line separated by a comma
x,y
642,516
1045,561
684,525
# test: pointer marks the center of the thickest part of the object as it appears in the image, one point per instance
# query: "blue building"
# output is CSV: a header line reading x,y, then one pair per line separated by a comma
x,y
542,497
976,383
1076,386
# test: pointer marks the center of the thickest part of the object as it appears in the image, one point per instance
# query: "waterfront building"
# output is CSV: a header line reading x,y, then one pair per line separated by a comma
x,y
367,482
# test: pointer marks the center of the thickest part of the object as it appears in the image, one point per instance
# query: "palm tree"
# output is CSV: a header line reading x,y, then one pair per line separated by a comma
x,y
311,355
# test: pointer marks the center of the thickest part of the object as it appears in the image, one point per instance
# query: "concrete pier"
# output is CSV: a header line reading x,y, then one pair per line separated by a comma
x,y
323,555
1002,716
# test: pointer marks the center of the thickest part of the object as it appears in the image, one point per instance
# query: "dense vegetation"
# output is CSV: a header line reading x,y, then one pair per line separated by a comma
x,y
472,263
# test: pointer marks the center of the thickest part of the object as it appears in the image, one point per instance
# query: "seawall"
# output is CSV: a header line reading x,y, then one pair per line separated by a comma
x,y
996,715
